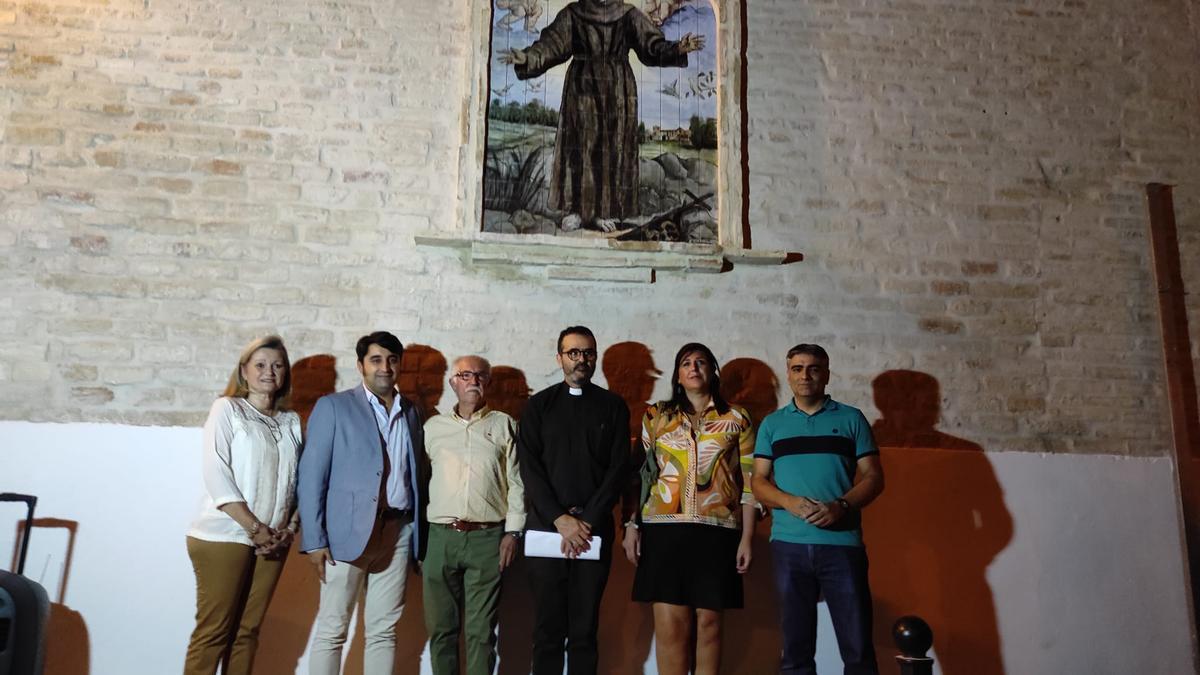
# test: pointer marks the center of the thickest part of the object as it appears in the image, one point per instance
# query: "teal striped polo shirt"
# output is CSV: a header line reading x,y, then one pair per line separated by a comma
x,y
815,456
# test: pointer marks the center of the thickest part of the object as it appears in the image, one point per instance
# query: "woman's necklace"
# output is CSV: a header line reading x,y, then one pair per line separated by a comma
x,y
268,421
260,411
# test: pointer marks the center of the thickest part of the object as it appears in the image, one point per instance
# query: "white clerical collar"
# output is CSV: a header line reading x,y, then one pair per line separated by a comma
x,y
575,391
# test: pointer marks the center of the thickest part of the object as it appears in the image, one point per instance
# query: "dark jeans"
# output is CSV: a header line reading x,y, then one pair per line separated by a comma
x,y
566,595
803,574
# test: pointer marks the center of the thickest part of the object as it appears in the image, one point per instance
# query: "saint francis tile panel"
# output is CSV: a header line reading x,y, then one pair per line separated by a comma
x,y
602,120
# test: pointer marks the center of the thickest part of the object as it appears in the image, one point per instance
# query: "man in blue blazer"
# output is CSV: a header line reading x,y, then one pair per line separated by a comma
x,y
362,494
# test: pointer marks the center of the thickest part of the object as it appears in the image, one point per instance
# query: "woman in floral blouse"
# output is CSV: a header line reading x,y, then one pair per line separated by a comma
x,y
690,540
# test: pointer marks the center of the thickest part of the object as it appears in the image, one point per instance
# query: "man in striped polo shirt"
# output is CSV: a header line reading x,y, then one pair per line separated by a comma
x,y
816,466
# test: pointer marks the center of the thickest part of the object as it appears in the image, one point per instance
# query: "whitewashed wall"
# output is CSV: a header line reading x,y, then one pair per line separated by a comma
x,y
1094,590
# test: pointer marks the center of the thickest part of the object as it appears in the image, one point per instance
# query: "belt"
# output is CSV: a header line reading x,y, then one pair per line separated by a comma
x,y
395,514
468,526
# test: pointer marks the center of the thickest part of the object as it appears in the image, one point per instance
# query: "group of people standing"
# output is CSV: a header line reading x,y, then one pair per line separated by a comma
x,y
372,489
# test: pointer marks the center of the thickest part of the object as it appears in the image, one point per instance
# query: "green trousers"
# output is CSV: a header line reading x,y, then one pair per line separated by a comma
x,y
461,576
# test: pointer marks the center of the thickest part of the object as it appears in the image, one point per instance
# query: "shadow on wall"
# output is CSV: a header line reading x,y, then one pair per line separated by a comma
x,y
631,374
509,391
626,625
68,648
290,617
293,609
751,641
935,529
422,377
751,384
312,377
515,648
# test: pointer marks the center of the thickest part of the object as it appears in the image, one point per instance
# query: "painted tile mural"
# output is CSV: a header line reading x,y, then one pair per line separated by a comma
x,y
602,120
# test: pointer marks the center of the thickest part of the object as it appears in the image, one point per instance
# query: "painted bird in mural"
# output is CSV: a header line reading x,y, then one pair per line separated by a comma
x,y
660,11
528,10
671,89
701,86
534,86
502,92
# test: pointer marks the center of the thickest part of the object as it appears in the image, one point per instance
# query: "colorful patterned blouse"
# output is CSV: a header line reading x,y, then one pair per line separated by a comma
x,y
704,473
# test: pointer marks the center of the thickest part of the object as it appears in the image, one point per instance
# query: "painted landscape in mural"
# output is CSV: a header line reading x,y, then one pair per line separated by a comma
x,y
601,120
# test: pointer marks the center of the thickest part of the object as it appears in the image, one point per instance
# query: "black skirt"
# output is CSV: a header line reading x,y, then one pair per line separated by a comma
x,y
689,564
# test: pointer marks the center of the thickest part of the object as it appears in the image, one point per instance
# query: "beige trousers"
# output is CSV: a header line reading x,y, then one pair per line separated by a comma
x,y
379,576
233,589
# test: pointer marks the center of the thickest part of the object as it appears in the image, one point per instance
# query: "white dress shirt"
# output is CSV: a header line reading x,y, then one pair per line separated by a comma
x,y
398,445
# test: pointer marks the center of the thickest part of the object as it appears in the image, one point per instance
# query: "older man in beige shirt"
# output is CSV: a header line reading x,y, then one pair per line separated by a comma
x,y
476,515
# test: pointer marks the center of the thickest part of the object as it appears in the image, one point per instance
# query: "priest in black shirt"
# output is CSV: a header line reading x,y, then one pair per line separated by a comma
x,y
573,446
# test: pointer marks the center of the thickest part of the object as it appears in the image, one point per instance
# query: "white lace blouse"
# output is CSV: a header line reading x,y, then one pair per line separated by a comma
x,y
247,457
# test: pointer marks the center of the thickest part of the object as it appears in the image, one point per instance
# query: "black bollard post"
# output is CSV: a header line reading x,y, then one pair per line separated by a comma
x,y
913,638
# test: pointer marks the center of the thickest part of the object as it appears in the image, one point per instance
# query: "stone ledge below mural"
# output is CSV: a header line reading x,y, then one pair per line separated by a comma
x,y
599,259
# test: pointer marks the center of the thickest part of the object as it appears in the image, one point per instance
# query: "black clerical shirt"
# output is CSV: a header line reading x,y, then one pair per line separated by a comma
x,y
574,454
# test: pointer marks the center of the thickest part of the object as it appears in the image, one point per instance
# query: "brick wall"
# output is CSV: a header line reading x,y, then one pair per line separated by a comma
x,y
964,177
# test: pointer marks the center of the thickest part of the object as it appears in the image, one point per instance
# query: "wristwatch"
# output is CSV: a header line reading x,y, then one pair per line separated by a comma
x,y
516,534
844,504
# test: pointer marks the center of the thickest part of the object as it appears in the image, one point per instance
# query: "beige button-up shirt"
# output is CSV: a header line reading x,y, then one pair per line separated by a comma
x,y
475,474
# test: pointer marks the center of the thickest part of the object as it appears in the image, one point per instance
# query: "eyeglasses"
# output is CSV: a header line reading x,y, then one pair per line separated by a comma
x,y
468,375
580,354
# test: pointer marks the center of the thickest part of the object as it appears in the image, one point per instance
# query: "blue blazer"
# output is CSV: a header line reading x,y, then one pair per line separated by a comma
x,y
340,472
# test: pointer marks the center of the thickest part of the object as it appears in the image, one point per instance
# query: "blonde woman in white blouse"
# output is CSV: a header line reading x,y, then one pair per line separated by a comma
x,y
239,541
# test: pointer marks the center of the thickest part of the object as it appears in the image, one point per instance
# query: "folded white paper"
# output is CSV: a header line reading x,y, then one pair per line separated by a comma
x,y
540,544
